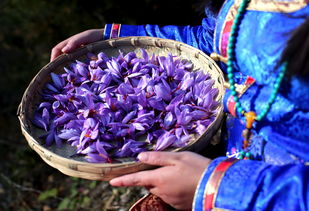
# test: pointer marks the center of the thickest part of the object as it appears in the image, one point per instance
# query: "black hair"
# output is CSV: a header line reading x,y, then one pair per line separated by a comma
x,y
213,5
296,52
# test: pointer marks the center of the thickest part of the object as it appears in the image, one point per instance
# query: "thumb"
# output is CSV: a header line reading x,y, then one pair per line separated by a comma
x,y
159,158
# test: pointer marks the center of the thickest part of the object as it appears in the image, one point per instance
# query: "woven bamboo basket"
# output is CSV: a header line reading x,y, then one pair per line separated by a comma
x,y
60,157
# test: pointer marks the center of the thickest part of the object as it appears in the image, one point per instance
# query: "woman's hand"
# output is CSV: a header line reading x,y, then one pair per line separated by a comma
x,y
174,182
76,41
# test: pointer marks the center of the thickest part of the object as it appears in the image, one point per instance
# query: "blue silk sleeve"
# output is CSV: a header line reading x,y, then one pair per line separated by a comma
x,y
200,37
255,185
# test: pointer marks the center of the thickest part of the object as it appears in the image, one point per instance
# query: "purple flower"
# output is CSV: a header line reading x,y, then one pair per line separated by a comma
x,y
71,135
57,81
157,103
163,90
64,118
90,129
187,81
164,141
105,107
169,120
42,121
130,148
52,137
114,68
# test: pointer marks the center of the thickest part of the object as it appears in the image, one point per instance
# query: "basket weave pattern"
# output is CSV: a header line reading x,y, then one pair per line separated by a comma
x,y
60,158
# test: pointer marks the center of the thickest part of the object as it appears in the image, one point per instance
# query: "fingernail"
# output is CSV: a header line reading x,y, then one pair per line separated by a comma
x,y
114,182
66,48
143,156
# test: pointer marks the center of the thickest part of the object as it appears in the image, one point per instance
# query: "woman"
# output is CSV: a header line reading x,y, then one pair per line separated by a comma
x,y
265,45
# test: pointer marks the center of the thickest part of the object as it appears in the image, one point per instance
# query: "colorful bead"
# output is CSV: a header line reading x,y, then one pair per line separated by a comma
x,y
240,110
231,81
231,53
250,116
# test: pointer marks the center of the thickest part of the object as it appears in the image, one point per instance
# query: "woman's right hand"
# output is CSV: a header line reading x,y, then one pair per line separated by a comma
x,y
76,41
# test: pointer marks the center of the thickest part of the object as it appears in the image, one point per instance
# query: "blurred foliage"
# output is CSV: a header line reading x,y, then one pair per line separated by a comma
x,y
28,31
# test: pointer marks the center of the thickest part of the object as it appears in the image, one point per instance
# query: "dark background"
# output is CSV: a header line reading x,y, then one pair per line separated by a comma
x,y
28,31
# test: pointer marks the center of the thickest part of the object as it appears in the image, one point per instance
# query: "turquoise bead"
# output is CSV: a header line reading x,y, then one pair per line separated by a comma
x,y
229,51
242,7
237,18
229,64
240,110
273,97
248,154
231,58
234,28
232,39
277,85
263,114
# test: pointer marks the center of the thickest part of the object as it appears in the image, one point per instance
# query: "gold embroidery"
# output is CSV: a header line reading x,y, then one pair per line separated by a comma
x,y
213,184
275,6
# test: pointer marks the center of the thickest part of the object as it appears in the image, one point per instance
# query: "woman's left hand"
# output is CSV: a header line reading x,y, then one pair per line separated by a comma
x,y
174,182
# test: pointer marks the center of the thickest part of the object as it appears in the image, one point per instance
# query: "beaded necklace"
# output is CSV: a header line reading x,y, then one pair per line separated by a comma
x,y
250,116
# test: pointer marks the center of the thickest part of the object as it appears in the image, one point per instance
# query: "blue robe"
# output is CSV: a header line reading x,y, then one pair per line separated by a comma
x,y
278,179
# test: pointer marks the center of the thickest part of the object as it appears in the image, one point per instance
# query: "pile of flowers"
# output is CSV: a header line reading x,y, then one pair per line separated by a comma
x,y
103,105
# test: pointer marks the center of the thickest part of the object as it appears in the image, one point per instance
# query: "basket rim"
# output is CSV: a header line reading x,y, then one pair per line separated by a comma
x,y
134,40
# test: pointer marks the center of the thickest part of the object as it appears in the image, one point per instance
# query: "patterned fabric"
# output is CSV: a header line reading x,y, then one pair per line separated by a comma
x,y
278,180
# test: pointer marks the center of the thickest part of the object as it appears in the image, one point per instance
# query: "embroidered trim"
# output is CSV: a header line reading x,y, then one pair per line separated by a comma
x,y
275,6
115,31
231,105
241,89
216,30
284,6
226,29
104,31
214,182
199,193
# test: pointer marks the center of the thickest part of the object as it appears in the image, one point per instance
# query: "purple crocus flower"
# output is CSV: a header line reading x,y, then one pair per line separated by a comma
x,y
130,148
187,81
97,153
163,90
102,105
52,137
164,141
64,118
169,120
42,121
58,81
